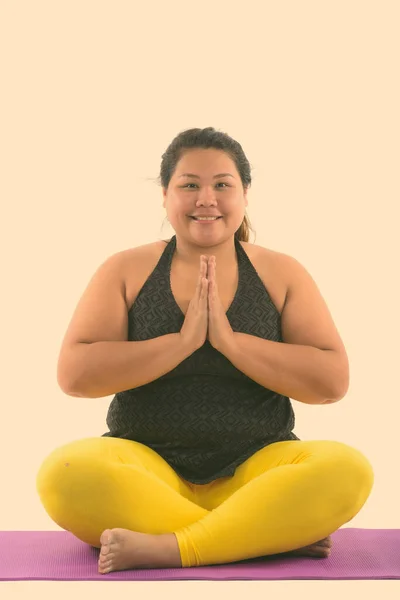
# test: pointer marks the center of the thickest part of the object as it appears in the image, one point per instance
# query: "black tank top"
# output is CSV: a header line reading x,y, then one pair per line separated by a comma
x,y
205,417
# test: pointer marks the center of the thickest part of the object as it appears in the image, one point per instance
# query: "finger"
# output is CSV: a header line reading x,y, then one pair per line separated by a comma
x,y
211,291
199,280
202,272
205,266
199,286
213,279
213,265
210,271
204,290
213,274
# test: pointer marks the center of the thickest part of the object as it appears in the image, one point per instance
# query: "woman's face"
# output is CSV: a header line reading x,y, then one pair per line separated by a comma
x,y
208,194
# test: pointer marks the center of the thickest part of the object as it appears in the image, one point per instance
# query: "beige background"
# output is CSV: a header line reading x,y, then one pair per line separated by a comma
x,y
92,94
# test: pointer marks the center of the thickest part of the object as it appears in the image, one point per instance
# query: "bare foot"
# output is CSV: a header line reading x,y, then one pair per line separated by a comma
x,y
122,549
321,549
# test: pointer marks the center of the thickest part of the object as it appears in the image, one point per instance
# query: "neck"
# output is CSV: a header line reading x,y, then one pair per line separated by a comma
x,y
189,253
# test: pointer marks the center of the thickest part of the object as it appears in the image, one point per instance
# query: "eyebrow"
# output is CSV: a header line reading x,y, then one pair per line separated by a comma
x,y
215,176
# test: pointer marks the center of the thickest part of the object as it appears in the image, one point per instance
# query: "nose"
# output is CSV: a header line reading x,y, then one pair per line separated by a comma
x,y
206,198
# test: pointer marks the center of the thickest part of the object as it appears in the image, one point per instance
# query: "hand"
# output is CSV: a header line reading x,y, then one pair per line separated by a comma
x,y
220,332
194,328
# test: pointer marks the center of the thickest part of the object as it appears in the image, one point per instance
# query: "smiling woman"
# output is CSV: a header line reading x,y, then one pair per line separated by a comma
x,y
203,340
215,189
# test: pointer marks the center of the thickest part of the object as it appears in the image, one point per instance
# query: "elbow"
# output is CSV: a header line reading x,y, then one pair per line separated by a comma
x,y
338,390
77,389
333,398
67,382
68,387
71,370
340,379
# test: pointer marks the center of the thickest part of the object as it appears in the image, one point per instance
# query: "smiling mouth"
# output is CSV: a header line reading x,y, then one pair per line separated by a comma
x,y
205,218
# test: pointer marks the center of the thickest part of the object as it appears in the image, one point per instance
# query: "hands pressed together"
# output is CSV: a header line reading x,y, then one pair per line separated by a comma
x,y
206,317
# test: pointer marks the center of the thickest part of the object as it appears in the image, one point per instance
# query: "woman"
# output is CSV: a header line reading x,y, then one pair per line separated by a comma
x,y
203,340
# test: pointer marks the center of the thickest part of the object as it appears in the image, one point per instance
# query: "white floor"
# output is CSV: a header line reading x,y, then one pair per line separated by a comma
x,y
204,590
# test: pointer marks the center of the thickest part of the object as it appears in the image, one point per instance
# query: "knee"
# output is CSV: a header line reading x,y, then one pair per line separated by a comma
x,y
355,465
63,465
353,477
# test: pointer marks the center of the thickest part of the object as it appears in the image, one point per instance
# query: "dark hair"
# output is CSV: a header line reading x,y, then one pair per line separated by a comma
x,y
208,138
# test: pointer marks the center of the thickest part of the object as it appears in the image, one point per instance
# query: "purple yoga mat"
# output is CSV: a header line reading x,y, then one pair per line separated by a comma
x,y
58,555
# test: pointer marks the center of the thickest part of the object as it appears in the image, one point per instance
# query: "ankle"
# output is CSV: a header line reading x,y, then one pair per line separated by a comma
x,y
169,549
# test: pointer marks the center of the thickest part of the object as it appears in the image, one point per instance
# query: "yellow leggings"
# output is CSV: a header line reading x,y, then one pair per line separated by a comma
x,y
286,496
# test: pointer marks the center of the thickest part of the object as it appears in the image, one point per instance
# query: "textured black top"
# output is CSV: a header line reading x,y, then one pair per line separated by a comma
x,y
205,417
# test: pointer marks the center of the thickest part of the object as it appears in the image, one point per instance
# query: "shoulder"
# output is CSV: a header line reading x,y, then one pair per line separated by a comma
x,y
133,265
280,263
284,276
277,271
136,255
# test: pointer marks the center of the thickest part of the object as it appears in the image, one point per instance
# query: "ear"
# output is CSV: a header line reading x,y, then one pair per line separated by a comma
x,y
164,191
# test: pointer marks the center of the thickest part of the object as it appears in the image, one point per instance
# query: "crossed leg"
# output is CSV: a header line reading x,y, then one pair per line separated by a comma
x,y
124,497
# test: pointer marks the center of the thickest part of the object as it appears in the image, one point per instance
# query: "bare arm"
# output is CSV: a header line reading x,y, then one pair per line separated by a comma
x,y
106,368
96,358
311,366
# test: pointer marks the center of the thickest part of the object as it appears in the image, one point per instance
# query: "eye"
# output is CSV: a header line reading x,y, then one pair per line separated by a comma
x,y
219,183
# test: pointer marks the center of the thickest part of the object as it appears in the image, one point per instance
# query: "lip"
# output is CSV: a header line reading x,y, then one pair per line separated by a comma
x,y
216,217
204,222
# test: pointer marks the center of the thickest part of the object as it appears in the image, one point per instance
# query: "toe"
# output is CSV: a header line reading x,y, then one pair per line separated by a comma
x,y
105,566
323,552
104,570
105,550
325,543
105,538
